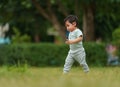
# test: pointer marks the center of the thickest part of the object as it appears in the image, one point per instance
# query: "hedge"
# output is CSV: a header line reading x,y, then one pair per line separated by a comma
x,y
44,54
48,54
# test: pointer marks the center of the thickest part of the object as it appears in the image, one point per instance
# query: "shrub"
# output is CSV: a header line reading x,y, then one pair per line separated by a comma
x,y
116,36
47,54
95,54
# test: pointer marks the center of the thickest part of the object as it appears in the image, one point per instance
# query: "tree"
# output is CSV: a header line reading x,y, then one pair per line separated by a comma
x,y
19,14
50,15
106,9
88,8
88,15
94,15
107,18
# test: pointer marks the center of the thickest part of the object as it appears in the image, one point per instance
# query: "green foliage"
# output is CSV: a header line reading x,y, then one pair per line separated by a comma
x,y
116,35
46,54
96,54
17,38
33,54
23,15
106,19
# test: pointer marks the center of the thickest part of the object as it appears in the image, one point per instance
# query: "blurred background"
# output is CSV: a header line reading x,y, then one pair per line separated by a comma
x,y
34,29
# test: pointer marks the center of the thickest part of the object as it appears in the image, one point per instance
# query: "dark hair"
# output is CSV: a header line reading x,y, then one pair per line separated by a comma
x,y
71,19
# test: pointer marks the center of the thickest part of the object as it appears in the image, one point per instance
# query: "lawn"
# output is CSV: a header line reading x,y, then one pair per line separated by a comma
x,y
53,77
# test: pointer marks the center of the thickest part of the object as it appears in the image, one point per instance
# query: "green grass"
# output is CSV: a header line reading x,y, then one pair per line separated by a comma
x,y
53,77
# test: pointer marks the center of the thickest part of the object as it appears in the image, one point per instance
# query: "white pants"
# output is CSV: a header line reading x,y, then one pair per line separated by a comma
x,y
80,57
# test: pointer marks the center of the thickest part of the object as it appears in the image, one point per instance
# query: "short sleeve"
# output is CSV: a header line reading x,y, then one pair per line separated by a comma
x,y
79,33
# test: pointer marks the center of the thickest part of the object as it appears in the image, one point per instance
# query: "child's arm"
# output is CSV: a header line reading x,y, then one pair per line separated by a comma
x,y
75,40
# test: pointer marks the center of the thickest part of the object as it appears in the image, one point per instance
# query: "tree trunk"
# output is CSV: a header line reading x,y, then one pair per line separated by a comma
x,y
50,15
88,23
60,28
36,38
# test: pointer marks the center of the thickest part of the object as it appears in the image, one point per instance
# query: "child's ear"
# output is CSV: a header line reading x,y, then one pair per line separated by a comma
x,y
74,23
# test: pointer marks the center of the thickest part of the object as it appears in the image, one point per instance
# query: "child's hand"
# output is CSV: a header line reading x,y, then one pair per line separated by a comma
x,y
74,41
68,41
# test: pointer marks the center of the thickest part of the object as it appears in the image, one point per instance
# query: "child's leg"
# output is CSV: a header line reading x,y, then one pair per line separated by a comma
x,y
80,57
85,66
68,63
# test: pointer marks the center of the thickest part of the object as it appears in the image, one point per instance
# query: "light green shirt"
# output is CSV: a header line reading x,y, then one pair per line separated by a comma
x,y
77,46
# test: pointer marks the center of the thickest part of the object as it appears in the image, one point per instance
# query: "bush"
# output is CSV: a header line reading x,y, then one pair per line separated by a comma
x,y
95,54
33,54
116,36
47,54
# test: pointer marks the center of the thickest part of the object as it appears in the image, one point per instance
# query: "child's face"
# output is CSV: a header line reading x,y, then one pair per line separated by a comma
x,y
70,26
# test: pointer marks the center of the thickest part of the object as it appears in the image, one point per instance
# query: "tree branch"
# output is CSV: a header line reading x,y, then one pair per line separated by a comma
x,y
49,8
41,10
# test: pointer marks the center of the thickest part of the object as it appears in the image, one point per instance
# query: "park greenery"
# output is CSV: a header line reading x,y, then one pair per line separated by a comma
x,y
35,52
33,18
47,54
41,22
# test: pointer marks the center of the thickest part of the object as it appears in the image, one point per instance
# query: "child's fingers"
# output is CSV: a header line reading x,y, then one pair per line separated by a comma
x,y
66,39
